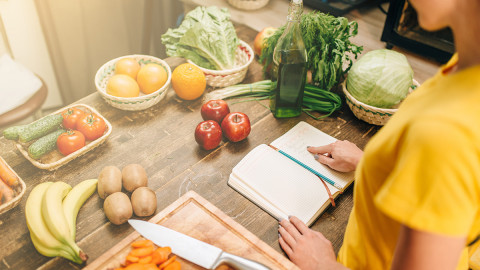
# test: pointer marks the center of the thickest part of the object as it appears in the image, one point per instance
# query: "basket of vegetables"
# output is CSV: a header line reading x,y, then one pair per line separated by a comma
x,y
56,139
12,187
376,85
222,78
207,39
248,4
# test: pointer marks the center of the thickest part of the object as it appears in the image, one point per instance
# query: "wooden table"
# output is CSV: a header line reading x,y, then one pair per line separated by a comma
x,y
161,139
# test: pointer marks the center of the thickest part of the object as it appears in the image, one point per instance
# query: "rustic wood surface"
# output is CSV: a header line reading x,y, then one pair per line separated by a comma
x,y
194,216
161,140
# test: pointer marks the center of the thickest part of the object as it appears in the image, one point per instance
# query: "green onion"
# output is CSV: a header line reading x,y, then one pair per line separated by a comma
x,y
314,98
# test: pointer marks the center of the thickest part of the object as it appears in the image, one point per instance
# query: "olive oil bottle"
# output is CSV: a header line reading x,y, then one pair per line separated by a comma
x,y
289,66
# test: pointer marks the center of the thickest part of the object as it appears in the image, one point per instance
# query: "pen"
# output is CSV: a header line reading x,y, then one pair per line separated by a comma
x,y
328,180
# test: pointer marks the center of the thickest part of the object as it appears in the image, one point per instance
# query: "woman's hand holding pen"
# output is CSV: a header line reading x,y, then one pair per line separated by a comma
x,y
341,156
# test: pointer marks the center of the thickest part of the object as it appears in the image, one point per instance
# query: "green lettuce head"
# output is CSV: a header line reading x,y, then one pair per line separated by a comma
x,y
380,78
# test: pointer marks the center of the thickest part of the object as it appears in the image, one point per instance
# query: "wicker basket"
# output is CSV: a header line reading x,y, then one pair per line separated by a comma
x,y
367,113
141,102
54,159
18,197
248,4
222,78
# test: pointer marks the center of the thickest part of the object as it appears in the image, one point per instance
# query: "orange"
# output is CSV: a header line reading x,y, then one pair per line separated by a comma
x,y
188,81
151,77
127,66
122,85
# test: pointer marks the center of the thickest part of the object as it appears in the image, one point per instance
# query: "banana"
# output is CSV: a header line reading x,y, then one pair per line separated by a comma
x,y
75,199
54,217
43,240
54,252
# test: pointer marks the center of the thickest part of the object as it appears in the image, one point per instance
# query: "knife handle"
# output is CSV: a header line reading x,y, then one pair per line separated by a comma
x,y
238,262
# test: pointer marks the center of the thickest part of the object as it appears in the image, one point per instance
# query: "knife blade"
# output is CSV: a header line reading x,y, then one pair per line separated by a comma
x,y
191,249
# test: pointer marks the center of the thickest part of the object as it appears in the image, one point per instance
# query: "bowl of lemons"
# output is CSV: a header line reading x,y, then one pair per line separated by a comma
x,y
133,82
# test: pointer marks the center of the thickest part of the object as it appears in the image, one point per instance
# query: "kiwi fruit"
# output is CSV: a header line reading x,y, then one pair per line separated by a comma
x,y
118,208
144,202
133,177
109,181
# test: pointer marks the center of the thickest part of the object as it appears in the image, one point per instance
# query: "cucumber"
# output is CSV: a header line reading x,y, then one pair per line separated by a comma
x,y
44,145
41,127
12,133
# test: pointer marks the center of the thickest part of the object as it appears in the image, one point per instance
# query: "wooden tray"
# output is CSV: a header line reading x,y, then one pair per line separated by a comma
x,y
55,159
18,197
193,215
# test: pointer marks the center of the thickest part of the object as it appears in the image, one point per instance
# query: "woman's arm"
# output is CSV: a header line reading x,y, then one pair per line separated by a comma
x,y
423,250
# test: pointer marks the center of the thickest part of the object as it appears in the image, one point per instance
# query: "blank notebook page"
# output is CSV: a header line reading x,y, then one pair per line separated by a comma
x,y
281,182
295,142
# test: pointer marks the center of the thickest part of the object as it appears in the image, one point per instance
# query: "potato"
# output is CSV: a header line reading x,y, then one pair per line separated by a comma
x,y
118,208
144,202
109,181
134,176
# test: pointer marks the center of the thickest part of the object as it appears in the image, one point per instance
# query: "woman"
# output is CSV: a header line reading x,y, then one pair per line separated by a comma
x,y
417,191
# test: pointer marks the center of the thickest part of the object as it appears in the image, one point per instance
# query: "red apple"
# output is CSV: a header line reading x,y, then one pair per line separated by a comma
x,y
215,110
236,126
259,41
208,134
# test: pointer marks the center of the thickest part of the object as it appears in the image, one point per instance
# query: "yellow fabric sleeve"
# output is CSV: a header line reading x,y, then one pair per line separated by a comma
x,y
430,189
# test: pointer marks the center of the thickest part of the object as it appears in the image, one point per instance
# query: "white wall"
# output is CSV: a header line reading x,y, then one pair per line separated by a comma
x,y
28,45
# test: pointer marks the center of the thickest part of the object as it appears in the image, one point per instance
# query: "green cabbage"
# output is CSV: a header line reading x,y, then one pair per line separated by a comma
x,y
206,36
380,78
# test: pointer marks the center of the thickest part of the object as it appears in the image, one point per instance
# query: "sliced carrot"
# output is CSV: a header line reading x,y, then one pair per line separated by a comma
x,y
164,264
135,266
6,193
142,243
161,254
175,265
7,175
141,252
145,260
150,266
132,259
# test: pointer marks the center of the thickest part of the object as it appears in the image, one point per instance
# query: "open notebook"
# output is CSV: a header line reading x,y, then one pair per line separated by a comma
x,y
282,187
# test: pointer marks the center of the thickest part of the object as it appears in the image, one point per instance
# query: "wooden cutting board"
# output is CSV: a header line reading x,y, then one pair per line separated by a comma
x,y
194,216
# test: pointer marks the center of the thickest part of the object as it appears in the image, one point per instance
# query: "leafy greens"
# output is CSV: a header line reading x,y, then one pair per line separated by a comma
x,y
329,49
206,36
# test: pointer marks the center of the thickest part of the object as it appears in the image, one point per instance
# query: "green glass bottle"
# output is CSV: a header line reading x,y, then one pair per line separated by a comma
x,y
289,66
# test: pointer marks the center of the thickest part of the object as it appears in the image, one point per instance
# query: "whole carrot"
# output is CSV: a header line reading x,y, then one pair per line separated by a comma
x,y
6,193
8,176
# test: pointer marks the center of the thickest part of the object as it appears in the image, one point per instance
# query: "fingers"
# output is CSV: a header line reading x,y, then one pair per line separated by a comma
x,y
301,227
323,149
287,237
324,159
285,246
292,230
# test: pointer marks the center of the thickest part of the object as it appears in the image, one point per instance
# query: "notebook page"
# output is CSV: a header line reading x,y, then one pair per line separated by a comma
x,y
281,182
252,195
295,142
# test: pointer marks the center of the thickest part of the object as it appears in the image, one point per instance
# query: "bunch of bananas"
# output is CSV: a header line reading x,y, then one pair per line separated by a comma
x,y
51,211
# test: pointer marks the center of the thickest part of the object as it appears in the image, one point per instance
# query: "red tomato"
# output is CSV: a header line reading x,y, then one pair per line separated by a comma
x,y
92,126
71,116
70,141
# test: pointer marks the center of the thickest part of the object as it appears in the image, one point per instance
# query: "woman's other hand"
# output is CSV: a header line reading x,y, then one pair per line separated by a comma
x,y
342,156
307,248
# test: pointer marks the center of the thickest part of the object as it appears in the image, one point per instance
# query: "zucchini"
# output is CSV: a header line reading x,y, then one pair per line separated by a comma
x,y
41,127
12,133
44,145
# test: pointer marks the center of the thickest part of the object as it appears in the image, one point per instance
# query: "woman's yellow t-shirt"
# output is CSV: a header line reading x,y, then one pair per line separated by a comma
x,y
422,169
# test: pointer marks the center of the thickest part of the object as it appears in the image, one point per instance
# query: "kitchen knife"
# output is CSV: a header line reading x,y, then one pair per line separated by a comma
x,y
191,249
